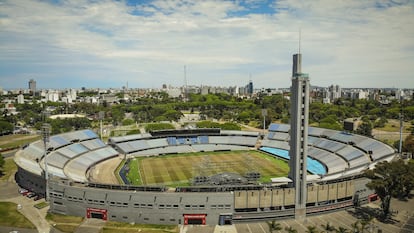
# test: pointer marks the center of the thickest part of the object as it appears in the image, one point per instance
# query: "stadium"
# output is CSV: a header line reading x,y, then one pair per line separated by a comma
x,y
82,169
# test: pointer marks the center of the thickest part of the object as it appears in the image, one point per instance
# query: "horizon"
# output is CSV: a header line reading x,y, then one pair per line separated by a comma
x,y
106,44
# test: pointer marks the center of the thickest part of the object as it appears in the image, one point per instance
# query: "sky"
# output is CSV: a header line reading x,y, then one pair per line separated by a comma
x,y
144,43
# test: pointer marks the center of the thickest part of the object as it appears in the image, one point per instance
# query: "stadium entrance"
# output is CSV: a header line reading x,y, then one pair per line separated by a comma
x,y
195,219
226,219
96,213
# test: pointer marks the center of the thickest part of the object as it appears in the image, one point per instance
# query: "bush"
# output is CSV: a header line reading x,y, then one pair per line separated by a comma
x,y
225,126
128,122
135,131
158,126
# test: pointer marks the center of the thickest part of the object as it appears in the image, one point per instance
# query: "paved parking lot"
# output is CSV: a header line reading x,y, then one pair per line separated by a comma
x,y
345,219
400,222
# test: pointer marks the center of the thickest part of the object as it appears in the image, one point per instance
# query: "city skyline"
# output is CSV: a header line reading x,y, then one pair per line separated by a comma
x,y
63,44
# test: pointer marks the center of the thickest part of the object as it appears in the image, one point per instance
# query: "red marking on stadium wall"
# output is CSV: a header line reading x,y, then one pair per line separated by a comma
x,y
195,219
97,213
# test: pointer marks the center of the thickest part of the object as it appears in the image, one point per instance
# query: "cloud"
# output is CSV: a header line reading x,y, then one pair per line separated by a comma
x,y
350,43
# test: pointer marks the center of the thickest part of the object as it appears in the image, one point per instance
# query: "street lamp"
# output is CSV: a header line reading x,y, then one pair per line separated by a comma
x,y
101,116
264,114
46,136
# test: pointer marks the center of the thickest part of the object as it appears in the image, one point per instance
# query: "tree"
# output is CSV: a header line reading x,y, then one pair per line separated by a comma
x,y
408,144
274,226
365,128
5,127
311,229
158,126
328,227
390,180
407,179
355,226
290,229
342,230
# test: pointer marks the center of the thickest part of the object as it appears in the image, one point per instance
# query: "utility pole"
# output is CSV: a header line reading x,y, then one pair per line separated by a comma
x,y
401,127
264,114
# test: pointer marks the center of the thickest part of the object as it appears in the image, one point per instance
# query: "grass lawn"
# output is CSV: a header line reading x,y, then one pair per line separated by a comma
x,y
112,227
41,205
12,218
9,168
177,170
394,126
17,140
64,223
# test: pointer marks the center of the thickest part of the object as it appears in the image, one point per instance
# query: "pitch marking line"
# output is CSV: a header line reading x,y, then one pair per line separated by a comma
x,y
262,228
248,228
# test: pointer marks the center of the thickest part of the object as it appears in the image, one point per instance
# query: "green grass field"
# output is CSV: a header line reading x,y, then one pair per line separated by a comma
x,y
177,170
9,168
16,140
11,217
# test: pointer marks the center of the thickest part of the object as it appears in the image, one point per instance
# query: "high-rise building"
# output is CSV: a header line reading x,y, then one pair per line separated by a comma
x,y
299,135
334,92
32,86
249,88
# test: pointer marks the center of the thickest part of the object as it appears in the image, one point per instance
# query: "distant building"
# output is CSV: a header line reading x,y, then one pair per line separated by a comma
x,y
73,94
20,99
362,95
399,94
52,96
10,108
249,88
335,92
32,86
352,124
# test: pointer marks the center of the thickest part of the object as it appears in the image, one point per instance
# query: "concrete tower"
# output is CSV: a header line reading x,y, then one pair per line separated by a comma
x,y
299,134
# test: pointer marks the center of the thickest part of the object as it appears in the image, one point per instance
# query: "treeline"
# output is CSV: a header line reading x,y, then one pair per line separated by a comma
x,y
159,107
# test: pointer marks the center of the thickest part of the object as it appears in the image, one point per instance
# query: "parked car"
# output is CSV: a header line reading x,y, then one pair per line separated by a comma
x,y
25,193
22,190
31,194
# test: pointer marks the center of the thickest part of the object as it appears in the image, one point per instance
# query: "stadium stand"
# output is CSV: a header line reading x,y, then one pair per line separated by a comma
x,y
76,169
114,140
69,155
335,161
340,152
313,165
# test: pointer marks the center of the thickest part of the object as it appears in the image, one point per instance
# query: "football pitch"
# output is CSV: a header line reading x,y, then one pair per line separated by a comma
x,y
179,169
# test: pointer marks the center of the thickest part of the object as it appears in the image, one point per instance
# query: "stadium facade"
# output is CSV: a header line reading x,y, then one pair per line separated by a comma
x,y
335,163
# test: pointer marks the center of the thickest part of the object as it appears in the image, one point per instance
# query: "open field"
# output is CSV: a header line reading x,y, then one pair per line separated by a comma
x,y
17,140
9,169
394,126
64,223
175,170
127,227
391,131
11,217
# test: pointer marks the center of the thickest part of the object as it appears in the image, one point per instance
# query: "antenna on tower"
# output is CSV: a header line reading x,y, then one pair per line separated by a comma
x,y
300,34
185,82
